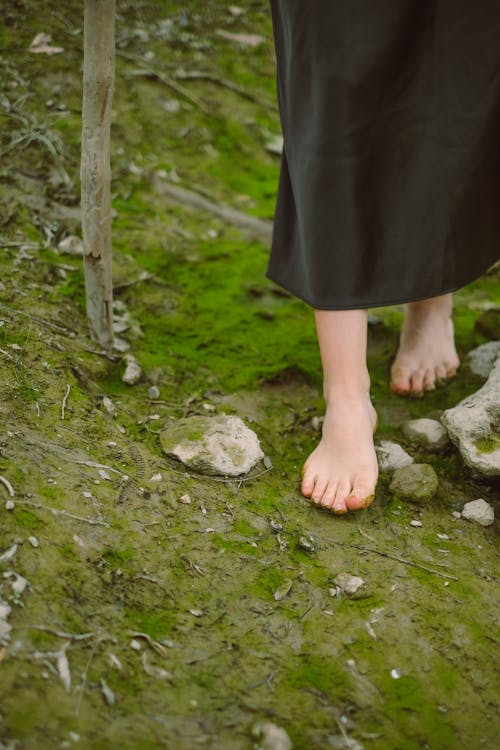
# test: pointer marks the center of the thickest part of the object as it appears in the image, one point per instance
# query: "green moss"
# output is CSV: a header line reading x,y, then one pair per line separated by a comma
x,y
487,444
27,519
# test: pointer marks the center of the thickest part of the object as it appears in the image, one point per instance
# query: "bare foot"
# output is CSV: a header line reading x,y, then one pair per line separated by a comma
x,y
426,353
341,473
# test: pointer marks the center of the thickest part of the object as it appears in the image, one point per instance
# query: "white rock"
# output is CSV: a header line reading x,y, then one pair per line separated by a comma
x,y
33,541
427,433
271,737
213,445
109,405
456,514
133,371
10,505
348,584
5,610
5,629
185,499
416,524
391,456
72,245
482,359
19,585
474,426
479,511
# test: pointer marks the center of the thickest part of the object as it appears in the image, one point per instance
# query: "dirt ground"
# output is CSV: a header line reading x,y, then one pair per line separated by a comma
x,y
140,620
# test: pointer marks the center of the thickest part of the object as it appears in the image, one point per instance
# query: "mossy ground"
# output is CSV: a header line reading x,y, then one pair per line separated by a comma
x,y
122,556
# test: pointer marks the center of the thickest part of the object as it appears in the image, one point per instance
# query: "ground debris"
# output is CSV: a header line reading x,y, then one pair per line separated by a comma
x,y
346,584
270,737
63,667
479,511
107,693
154,671
283,590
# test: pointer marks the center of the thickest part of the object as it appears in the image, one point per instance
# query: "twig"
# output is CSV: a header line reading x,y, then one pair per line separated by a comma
x,y
203,477
9,356
84,681
58,633
65,398
195,75
260,229
151,73
405,562
7,484
58,512
155,645
36,319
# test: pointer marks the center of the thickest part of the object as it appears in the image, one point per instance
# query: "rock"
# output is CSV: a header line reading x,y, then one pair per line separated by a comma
x,y
271,737
488,323
347,584
5,629
133,371
474,426
479,511
482,359
154,392
415,483
219,445
391,456
185,500
416,524
71,245
427,433
342,742
283,590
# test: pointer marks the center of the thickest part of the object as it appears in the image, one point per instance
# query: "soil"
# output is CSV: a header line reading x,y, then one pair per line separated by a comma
x,y
151,622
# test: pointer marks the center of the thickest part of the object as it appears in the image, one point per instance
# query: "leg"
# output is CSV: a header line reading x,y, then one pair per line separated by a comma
x,y
426,353
341,473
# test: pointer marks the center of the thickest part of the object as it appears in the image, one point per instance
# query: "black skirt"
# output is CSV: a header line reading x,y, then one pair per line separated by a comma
x,y
390,182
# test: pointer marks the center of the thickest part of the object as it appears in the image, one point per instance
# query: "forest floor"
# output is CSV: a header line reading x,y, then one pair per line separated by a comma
x,y
139,621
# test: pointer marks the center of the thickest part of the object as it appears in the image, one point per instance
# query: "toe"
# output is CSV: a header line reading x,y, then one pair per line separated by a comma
x,y
417,383
451,369
319,490
429,380
400,380
441,374
343,490
329,495
308,483
361,496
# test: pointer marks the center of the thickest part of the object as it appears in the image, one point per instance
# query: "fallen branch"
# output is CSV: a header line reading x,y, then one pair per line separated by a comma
x,y
65,399
7,484
36,319
58,633
195,75
404,562
259,229
58,512
169,82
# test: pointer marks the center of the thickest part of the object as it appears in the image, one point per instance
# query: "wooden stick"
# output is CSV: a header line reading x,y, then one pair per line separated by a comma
x,y
98,82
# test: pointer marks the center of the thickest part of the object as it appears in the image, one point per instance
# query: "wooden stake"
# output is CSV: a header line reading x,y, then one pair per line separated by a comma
x,y
98,82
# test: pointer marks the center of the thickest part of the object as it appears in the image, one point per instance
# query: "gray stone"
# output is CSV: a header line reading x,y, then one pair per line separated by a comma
x,y
391,456
474,426
71,245
133,371
416,483
271,737
219,445
479,511
482,359
347,584
427,433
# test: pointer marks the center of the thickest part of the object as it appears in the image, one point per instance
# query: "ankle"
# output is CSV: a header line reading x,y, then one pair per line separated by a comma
x,y
433,306
351,390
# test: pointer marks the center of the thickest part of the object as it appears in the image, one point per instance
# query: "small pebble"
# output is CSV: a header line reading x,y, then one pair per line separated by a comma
x,y
185,499
10,505
135,645
275,526
154,392
417,524
111,444
395,674
156,478
443,537
456,514
33,541
88,495
209,407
